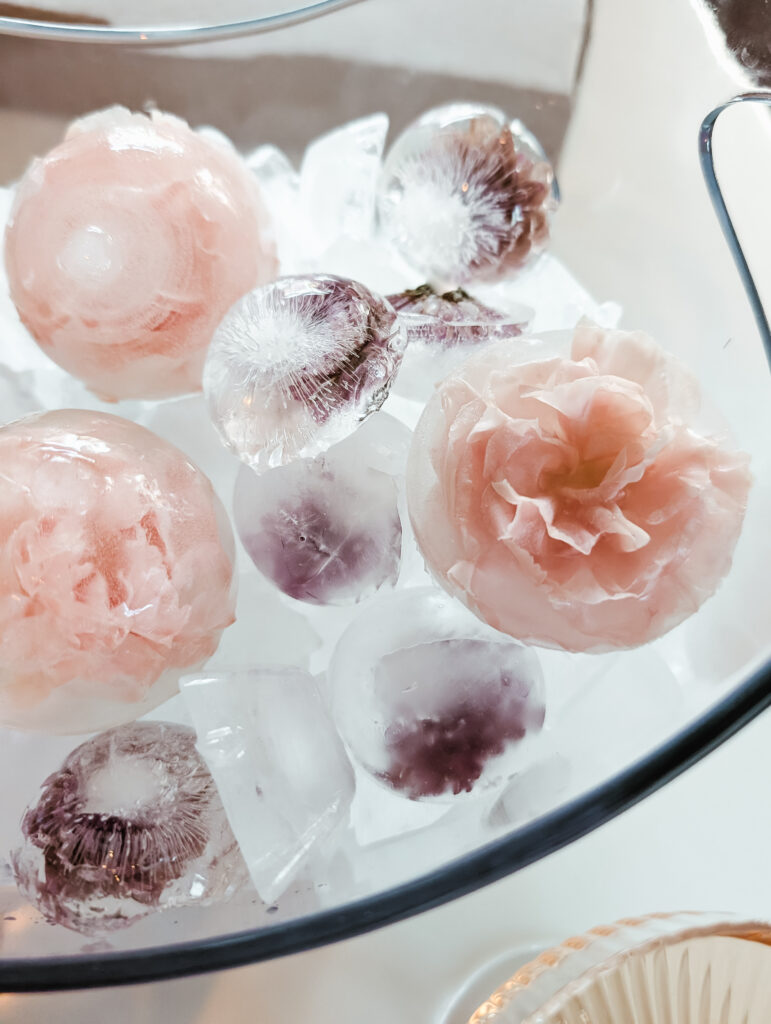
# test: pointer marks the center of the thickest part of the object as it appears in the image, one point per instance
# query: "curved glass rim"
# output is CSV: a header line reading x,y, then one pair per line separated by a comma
x,y
135,35
481,867
464,875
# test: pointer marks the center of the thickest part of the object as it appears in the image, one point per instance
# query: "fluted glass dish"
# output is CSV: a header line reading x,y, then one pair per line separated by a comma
x,y
636,227
683,968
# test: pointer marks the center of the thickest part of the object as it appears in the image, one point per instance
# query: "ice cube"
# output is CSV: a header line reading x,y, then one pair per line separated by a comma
x,y
282,772
431,702
280,188
131,823
463,198
445,329
338,180
328,530
297,365
549,288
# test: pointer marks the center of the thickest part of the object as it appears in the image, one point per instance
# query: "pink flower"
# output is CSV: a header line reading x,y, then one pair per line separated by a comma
x,y
116,570
566,501
126,246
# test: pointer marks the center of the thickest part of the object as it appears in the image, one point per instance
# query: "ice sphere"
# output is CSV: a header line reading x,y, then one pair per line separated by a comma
x,y
116,571
126,245
282,772
326,530
431,702
463,196
338,180
443,330
130,824
295,367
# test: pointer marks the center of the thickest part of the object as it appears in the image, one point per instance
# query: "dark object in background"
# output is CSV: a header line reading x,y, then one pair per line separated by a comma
x,y
746,25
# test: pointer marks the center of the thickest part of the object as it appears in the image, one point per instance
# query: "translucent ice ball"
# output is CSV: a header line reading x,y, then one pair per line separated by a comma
x,y
464,195
327,530
127,244
431,702
131,823
295,366
116,571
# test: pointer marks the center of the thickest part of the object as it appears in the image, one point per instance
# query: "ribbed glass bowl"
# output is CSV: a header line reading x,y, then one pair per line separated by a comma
x,y
679,968
636,227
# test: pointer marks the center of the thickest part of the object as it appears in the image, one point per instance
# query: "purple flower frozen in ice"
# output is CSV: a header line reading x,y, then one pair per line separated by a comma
x,y
464,196
324,530
297,365
131,822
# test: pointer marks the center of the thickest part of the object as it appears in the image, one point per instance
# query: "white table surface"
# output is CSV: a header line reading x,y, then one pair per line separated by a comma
x,y
701,843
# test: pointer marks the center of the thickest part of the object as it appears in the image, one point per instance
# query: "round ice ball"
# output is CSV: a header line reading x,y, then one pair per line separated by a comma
x,y
327,530
297,365
131,823
465,195
431,702
127,244
116,571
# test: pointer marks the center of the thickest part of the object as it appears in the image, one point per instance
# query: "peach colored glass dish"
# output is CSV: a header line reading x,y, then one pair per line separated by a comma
x,y
663,969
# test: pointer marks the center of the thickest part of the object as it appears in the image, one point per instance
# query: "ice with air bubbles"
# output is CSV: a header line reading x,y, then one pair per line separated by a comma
x,y
131,823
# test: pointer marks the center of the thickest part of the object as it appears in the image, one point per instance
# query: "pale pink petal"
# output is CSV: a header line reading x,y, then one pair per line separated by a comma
x,y
566,502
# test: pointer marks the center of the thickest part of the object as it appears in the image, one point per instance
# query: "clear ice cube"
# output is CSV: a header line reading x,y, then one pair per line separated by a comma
x,y
338,180
463,197
444,329
280,189
559,300
430,703
131,823
328,530
296,366
282,772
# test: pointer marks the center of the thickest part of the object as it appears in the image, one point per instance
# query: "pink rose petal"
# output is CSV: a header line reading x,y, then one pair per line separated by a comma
x,y
566,501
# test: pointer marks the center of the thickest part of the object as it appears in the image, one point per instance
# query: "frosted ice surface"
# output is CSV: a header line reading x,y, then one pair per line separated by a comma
x,y
431,702
280,188
17,396
338,180
615,718
297,365
266,631
185,423
282,772
328,530
131,823
531,793
557,298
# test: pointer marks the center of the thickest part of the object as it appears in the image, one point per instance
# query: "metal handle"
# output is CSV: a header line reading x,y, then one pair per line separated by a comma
x,y
716,195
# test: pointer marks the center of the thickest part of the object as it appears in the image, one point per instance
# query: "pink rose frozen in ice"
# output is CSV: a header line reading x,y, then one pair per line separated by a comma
x,y
126,246
566,501
116,571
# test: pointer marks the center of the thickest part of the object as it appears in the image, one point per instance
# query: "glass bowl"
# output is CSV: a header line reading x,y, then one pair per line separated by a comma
x,y
636,227
682,967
